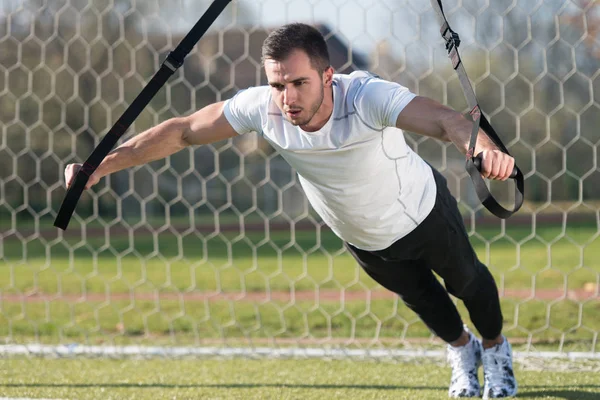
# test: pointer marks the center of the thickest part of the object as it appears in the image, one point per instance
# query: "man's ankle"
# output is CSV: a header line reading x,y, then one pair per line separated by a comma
x,y
489,343
463,340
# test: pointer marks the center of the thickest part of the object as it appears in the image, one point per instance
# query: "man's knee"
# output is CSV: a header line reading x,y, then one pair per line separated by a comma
x,y
479,280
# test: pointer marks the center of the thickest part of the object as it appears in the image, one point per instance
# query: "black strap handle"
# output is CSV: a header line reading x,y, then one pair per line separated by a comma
x,y
173,61
473,167
473,164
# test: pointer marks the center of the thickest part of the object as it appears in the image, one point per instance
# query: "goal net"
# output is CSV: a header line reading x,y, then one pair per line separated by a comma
x,y
215,250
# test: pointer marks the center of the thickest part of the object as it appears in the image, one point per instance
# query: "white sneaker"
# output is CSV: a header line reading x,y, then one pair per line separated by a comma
x,y
499,379
465,361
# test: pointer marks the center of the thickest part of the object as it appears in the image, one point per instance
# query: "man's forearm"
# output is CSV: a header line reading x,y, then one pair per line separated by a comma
x,y
430,118
458,131
154,144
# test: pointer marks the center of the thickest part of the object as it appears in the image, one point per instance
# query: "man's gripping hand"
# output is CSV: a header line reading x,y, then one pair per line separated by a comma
x,y
496,164
72,169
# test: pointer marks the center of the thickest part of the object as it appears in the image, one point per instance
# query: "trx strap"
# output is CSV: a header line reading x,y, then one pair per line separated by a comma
x,y
473,164
173,61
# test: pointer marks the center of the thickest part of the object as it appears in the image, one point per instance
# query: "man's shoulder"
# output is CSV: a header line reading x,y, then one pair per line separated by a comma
x,y
253,97
357,85
355,77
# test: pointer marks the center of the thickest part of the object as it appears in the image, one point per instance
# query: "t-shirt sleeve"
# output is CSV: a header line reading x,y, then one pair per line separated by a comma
x,y
243,111
379,102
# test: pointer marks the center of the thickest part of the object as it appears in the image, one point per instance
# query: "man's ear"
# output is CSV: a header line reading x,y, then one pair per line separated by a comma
x,y
328,76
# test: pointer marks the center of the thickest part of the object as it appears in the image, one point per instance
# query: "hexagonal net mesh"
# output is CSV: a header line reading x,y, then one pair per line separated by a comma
x,y
216,247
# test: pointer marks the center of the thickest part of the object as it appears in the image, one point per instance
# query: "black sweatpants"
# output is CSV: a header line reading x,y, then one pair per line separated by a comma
x,y
439,244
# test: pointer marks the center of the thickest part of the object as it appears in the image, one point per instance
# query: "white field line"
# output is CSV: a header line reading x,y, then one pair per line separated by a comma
x,y
253,352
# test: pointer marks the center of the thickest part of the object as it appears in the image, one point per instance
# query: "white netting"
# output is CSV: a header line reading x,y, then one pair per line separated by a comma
x,y
217,246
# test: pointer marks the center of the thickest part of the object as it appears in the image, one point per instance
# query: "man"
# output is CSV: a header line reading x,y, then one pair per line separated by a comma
x,y
392,210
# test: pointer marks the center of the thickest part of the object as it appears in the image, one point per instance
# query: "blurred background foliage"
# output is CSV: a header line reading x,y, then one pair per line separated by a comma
x,y
68,69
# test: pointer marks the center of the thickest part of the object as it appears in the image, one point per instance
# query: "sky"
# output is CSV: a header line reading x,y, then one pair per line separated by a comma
x,y
364,23
405,25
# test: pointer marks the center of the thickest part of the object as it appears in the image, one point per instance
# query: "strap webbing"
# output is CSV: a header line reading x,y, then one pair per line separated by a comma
x,y
473,164
173,61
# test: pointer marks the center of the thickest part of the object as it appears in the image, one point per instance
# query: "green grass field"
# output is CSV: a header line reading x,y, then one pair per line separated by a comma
x,y
143,272
262,379
123,289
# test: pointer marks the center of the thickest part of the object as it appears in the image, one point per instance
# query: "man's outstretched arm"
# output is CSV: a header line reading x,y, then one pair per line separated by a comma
x,y
429,118
207,125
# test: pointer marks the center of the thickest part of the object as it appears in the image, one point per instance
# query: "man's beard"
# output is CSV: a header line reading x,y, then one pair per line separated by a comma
x,y
313,110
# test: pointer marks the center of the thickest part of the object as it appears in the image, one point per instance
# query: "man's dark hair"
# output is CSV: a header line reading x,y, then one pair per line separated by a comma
x,y
282,41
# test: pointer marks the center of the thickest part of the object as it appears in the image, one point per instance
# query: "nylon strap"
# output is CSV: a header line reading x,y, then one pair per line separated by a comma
x,y
473,163
173,61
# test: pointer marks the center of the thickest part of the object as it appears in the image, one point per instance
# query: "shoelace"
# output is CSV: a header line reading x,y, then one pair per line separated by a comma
x,y
494,372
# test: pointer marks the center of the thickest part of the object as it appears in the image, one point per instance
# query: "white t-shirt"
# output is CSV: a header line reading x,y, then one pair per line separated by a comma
x,y
357,172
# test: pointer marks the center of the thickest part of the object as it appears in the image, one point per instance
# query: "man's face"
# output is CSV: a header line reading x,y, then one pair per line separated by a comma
x,y
297,88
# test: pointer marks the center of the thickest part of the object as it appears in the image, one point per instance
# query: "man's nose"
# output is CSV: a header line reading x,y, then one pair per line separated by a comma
x,y
289,96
